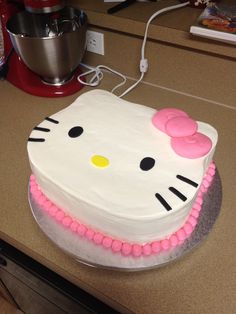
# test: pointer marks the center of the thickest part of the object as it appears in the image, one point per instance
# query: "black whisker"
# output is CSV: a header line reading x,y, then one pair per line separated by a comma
x,y
51,120
178,193
163,201
31,139
38,128
186,180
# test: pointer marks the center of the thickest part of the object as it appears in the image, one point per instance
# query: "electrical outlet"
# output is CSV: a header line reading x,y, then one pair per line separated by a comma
x,y
95,42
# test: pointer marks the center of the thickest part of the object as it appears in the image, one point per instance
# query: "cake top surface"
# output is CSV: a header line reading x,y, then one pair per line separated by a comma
x,y
110,153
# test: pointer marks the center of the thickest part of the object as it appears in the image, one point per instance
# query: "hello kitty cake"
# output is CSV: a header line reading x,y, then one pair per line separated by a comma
x,y
123,175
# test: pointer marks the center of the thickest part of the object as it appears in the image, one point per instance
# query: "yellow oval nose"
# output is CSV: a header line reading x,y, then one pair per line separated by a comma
x,y
100,161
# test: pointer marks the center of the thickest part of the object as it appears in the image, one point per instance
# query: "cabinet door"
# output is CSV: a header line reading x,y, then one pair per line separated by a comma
x,y
7,304
32,295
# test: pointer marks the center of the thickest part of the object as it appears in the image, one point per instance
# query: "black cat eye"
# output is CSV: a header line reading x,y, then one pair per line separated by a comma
x,y
147,163
76,131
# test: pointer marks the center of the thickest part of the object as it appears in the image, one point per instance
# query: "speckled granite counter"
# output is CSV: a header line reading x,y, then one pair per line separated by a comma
x,y
203,281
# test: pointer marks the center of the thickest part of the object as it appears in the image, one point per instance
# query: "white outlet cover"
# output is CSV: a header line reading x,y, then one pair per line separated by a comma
x,y
95,42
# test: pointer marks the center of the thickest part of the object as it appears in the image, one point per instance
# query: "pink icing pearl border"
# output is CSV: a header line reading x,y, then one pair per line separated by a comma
x,y
116,245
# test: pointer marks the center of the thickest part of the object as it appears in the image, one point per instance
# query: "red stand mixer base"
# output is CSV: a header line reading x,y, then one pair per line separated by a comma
x,y
23,78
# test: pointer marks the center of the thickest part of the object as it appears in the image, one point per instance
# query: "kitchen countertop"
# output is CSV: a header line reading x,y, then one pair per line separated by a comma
x,y
203,281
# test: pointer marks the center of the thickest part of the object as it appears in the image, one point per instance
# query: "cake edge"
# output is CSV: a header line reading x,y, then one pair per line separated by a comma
x,y
118,245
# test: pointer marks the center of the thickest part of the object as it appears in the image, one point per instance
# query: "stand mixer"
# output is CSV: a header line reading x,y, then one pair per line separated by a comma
x,y
44,42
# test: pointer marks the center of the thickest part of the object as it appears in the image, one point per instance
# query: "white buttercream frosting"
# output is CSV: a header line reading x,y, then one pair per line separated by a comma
x,y
117,198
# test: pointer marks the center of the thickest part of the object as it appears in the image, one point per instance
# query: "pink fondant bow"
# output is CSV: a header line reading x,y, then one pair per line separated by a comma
x,y
185,140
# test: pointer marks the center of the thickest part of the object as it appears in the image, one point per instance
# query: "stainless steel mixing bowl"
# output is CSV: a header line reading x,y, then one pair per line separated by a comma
x,y
51,45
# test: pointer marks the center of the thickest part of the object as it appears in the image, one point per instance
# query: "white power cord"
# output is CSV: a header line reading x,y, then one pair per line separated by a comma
x,y
98,75
143,66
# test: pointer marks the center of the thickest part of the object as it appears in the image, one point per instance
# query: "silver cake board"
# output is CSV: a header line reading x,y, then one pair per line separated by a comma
x,y
87,252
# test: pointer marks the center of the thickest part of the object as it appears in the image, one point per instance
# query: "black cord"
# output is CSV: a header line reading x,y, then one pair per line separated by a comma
x,y
120,6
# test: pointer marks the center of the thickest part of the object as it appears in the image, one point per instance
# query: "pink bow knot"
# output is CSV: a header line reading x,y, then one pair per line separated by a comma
x,y
185,140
